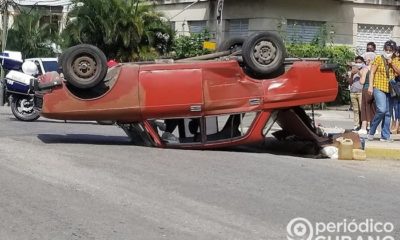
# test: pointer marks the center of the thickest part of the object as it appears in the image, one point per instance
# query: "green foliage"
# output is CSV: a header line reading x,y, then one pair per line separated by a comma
x,y
30,37
321,46
191,46
127,30
336,54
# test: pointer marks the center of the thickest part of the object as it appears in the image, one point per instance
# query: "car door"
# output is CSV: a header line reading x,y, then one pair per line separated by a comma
x,y
228,90
171,93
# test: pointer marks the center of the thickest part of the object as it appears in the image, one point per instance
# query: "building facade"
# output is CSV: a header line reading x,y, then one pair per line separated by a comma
x,y
349,22
54,11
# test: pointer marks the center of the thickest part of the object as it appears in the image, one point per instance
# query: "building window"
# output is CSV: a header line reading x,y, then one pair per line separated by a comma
x,y
197,26
238,27
378,34
51,15
303,31
172,25
53,21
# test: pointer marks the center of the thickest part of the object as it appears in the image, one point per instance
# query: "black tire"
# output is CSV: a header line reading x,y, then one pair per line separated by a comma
x,y
22,108
62,57
84,66
233,44
280,71
263,54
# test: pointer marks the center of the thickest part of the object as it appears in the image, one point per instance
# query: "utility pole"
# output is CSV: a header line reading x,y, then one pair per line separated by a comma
x,y
4,8
220,9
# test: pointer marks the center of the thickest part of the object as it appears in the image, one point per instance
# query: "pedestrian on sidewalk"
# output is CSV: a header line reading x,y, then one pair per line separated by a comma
x,y
370,52
355,91
382,71
395,103
371,47
367,101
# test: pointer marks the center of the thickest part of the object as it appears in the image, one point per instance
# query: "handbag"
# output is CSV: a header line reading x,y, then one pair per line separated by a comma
x,y
394,87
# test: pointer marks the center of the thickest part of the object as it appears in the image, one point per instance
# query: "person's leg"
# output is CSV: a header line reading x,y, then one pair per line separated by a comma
x,y
386,121
397,104
381,109
359,101
364,109
372,110
396,115
392,114
354,105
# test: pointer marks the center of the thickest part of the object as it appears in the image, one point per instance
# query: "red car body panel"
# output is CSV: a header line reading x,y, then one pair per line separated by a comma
x,y
121,102
303,84
184,90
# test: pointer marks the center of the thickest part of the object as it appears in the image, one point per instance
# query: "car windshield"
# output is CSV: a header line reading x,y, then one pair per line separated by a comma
x,y
50,66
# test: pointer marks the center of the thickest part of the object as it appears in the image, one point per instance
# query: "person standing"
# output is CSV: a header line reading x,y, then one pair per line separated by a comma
x,y
383,69
367,101
371,47
355,92
369,54
395,103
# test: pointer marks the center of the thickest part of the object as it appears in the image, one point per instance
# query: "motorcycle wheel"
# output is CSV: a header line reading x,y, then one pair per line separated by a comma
x,y
22,108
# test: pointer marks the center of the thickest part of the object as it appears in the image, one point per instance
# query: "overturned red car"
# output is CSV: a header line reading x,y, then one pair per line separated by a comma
x,y
232,100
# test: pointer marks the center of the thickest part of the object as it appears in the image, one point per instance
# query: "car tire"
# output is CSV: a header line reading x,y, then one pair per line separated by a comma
x,y
84,66
233,44
263,54
62,57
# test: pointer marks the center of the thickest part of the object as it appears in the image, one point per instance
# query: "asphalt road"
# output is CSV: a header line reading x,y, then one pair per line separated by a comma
x,y
84,181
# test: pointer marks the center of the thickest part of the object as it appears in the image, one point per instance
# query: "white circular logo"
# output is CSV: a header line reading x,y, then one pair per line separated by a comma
x,y
299,229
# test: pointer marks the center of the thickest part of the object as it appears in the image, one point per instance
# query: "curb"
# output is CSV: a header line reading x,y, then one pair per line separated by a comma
x,y
382,153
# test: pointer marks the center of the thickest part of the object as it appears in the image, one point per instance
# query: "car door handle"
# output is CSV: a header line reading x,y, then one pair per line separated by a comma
x,y
255,101
195,108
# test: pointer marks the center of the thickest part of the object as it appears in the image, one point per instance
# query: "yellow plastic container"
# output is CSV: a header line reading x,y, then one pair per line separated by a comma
x,y
346,149
359,154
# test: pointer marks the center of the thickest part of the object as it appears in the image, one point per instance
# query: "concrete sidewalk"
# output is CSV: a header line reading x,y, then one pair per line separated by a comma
x,y
374,149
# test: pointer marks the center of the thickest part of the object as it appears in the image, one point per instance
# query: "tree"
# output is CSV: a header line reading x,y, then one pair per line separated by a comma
x,y
124,29
30,37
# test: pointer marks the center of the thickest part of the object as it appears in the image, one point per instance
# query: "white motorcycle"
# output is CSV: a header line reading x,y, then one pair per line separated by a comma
x,y
20,93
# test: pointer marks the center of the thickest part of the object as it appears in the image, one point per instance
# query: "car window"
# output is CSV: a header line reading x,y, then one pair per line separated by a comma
x,y
50,66
225,127
198,130
178,131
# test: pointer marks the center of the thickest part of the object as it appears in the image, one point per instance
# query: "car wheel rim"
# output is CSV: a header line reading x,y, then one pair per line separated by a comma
x,y
264,52
84,67
25,106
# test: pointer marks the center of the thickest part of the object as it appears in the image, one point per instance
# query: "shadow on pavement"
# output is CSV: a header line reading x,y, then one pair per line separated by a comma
x,y
84,139
305,149
56,121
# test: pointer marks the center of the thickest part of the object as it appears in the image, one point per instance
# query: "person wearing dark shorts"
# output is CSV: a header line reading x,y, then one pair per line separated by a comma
x,y
367,100
367,108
